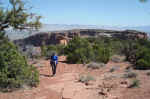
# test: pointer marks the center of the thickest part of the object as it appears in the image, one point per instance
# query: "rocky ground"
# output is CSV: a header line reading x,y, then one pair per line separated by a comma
x,y
112,81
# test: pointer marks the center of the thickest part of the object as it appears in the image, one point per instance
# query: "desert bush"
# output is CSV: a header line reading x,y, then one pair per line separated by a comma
x,y
43,50
117,58
117,46
128,69
86,78
135,83
60,49
94,65
114,68
47,51
130,75
102,53
30,51
135,51
143,58
80,50
14,70
138,53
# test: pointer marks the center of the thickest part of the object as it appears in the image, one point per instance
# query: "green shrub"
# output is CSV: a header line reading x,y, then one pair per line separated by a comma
x,y
78,56
47,51
138,53
80,50
117,45
94,65
43,50
86,78
143,58
117,58
14,70
112,70
101,49
101,53
135,84
128,69
60,49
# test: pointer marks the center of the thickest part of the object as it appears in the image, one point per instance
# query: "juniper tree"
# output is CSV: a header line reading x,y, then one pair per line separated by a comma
x,y
14,69
17,16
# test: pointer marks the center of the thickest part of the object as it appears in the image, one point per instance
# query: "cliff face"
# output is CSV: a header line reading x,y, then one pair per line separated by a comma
x,y
65,36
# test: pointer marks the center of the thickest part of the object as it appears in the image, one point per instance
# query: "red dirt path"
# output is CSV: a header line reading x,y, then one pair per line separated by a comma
x,y
63,85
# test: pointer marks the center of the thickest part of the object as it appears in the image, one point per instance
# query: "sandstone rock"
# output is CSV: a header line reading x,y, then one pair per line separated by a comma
x,y
64,36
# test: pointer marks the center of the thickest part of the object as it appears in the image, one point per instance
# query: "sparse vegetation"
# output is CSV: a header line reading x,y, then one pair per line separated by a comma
x,y
47,51
135,84
128,69
94,65
113,69
117,58
130,75
30,52
86,78
136,51
101,49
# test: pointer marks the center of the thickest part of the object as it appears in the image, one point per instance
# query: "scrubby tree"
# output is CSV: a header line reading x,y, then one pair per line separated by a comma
x,y
14,70
48,50
138,53
81,50
17,16
102,53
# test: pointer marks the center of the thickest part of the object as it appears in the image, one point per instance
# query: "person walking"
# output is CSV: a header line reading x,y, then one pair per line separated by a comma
x,y
54,62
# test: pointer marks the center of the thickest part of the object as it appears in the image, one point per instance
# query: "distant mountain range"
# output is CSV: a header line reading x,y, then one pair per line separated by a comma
x,y
57,27
16,34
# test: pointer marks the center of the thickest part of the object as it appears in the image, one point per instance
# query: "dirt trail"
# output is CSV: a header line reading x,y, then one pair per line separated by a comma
x,y
46,88
65,85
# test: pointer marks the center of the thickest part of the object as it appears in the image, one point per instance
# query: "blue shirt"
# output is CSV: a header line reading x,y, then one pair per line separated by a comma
x,y
54,58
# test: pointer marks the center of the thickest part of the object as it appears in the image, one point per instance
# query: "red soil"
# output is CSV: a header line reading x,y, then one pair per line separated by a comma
x,y
64,84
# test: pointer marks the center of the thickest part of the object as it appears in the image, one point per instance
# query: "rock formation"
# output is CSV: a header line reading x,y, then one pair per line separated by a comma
x,y
63,37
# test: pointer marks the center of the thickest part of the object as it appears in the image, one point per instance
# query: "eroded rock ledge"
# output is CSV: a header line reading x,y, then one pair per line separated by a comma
x,y
64,36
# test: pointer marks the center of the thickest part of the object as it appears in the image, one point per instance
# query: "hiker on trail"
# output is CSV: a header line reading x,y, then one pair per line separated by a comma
x,y
54,62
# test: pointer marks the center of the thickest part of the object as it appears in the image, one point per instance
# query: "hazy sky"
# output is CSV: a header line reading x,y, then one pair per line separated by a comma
x,y
93,12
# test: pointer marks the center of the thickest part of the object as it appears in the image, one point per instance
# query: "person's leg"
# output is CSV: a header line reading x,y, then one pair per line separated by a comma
x,y
52,65
54,68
